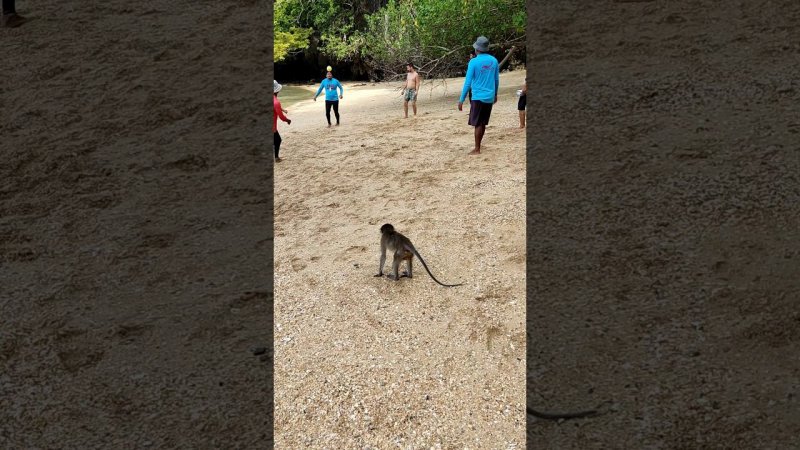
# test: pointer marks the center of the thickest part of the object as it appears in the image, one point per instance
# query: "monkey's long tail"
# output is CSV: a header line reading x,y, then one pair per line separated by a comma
x,y
560,416
597,411
429,271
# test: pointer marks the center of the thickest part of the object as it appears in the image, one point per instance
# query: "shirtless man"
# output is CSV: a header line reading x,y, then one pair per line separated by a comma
x,y
413,81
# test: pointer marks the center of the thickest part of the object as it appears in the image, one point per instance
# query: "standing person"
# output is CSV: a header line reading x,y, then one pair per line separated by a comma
x,y
10,17
330,85
278,112
483,78
523,99
413,81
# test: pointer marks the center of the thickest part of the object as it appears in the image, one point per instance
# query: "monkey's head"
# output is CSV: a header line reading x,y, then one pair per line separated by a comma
x,y
387,228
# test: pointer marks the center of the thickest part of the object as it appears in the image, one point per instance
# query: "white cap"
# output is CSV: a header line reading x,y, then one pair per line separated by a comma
x,y
276,87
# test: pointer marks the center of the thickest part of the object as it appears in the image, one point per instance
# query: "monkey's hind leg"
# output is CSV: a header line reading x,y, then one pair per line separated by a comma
x,y
409,259
398,258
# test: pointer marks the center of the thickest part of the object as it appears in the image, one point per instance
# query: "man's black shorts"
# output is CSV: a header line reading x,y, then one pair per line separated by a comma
x,y
521,103
479,113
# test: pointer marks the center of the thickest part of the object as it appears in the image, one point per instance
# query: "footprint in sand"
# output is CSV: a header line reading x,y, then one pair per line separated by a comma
x,y
129,332
297,264
24,254
158,240
492,333
101,200
190,163
248,298
75,359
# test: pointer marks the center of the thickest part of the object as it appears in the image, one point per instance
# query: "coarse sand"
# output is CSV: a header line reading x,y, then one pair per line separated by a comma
x,y
134,236
365,362
664,247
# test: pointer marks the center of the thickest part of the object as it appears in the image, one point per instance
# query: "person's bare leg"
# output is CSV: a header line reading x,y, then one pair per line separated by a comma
x,y
414,105
479,130
522,120
405,108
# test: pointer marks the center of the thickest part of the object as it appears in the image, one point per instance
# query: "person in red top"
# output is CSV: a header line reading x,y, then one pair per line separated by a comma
x,y
278,112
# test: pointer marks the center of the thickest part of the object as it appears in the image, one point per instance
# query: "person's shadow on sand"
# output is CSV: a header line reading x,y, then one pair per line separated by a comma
x,y
15,21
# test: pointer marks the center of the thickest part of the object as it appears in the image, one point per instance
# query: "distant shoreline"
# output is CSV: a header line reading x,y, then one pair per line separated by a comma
x,y
292,94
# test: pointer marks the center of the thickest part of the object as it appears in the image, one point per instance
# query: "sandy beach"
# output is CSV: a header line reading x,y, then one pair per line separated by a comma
x,y
365,362
662,259
663,210
134,203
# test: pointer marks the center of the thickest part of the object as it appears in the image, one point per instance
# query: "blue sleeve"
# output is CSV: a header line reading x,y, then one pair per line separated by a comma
x,y
320,89
467,81
341,88
497,80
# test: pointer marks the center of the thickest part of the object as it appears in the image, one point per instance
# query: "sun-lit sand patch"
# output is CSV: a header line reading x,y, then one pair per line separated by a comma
x,y
365,362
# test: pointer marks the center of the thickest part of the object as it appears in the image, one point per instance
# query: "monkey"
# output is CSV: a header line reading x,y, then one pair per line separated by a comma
x,y
403,251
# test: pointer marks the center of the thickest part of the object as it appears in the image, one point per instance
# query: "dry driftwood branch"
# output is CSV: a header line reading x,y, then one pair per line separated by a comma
x,y
446,65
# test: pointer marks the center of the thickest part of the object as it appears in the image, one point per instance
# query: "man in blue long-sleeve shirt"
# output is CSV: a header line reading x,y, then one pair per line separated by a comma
x,y
483,80
330,85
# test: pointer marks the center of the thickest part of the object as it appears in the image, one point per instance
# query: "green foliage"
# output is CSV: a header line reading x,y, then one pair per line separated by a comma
x,y
327,19
315,14
294,23
435,34
292,40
